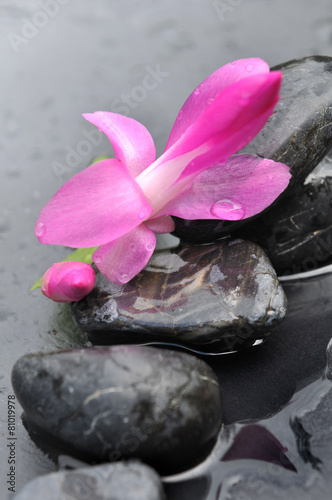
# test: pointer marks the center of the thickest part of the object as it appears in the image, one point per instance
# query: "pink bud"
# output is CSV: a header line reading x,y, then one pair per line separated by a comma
x,y
68,281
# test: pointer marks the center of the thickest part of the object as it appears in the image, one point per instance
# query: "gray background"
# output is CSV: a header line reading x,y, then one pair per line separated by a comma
x,y
82,59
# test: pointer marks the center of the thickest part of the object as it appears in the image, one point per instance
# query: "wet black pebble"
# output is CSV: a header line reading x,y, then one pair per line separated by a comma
x,y
119,481
106,404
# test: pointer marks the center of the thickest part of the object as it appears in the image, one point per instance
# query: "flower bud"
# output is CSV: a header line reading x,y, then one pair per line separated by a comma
x,y
68,281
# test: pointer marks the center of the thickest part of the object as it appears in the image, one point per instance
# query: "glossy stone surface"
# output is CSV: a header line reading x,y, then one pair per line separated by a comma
x,y
299,134
286,455
215,297
46,86
119,481
297,233
121,402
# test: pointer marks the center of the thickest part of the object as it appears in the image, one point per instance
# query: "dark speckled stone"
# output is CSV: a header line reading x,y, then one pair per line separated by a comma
x,y
297,234
105,404
120,481
299,134
216,297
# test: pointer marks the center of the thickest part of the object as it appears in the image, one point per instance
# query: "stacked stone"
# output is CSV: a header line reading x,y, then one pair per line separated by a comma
x,y
216,292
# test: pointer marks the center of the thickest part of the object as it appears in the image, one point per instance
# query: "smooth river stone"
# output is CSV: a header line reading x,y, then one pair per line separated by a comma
x,y
213,298
105,404
118,481
299,134
297,234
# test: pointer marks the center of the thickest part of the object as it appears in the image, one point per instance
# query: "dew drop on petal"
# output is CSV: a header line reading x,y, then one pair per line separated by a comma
x,y
211,99
150,246
180,114
228,210
271,177
233,63
196,91
97,260
123,277
249,67
141,215
40,229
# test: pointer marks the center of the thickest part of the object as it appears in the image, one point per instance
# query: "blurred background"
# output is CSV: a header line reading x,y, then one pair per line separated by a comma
x,y
61,58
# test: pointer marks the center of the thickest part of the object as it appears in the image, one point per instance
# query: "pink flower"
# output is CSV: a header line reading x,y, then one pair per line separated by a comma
x,y
68,281
119,204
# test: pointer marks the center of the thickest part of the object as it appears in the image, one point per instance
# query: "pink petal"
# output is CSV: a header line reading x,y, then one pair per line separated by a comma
x,y
209,88
68,281
94,207
240,188
125,257
131,141
161,225
231,121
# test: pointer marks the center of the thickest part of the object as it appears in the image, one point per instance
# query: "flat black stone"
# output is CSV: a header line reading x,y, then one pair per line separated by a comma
x,y
106,404
297,233
119,481
299,134
216,298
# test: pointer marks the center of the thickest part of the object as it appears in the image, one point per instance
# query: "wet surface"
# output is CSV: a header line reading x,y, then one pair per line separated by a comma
x,y
299,134
91,56
213,298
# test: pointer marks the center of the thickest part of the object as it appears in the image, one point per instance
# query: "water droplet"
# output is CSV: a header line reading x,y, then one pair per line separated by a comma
x,y
97,260
233,63
132,246
123,277
180,115
228,210
211,99
150,246
196,91
40,229
271,177
249,67
141,215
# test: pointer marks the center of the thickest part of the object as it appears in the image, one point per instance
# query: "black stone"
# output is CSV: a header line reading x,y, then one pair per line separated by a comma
x,y
118,481
299,134
328,371
297,233
216,298
106,404
303,443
